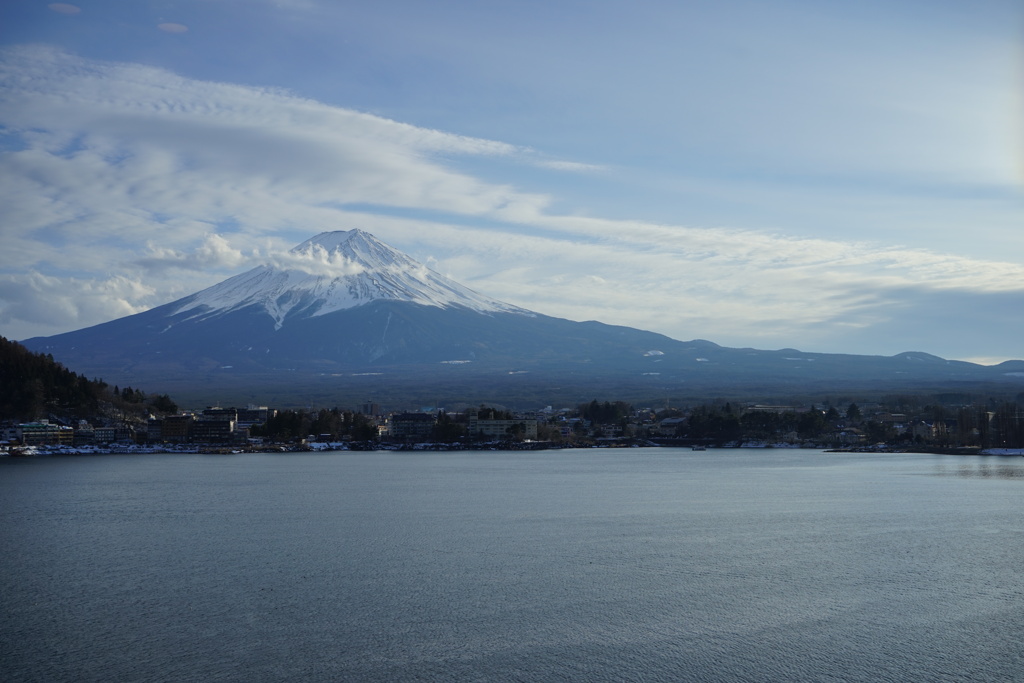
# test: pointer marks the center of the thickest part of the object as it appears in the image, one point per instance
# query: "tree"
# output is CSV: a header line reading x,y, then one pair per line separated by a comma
x,y
516,431
33,385
363,428
811,424
713,424
488,413
162,403
446,429
879,432
605,413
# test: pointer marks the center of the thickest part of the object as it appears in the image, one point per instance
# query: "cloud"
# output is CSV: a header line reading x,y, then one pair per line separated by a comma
x,y
171,27
127,186
44,301
64,8
214,253
108,149
572,166
740,288
315,260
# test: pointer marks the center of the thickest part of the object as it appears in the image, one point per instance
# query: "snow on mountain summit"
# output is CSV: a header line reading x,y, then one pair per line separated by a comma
x,y
334,271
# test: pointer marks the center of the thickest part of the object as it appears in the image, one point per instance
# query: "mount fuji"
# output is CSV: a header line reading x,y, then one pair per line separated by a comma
x,y
335,271
343,317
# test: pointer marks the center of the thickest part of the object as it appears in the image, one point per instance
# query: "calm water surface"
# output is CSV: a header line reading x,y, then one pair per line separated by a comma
x,y
593,565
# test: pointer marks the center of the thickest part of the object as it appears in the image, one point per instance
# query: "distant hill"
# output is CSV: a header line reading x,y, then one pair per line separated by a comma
x,y
346,318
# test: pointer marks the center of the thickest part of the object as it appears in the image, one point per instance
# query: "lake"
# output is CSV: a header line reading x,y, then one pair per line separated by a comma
x,y
579,565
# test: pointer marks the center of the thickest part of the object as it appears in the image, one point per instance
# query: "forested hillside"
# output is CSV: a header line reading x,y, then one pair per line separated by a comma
x,y
34,385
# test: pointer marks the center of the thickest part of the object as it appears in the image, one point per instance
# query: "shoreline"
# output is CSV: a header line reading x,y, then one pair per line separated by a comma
x,y
136,449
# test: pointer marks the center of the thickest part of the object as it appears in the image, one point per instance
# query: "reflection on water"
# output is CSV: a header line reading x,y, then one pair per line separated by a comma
x,y
981,469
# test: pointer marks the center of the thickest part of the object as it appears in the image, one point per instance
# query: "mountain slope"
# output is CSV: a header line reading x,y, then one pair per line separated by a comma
x,y
335,271
343,317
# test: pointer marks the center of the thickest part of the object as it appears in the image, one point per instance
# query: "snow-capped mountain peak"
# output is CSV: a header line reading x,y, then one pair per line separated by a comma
x,y
334,271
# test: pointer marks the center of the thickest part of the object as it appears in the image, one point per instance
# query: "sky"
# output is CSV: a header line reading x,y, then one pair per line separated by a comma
x,y
813,174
